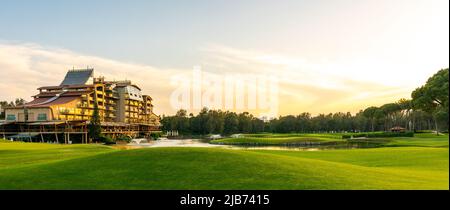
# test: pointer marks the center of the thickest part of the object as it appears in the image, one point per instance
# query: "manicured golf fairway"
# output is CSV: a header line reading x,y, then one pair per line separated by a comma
x,y
43,166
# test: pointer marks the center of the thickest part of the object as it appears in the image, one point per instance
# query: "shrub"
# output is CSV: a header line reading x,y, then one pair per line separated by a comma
x,y
424,131
345,136
106,140
155,136
378,135
390,134
359,135
356,135
124,138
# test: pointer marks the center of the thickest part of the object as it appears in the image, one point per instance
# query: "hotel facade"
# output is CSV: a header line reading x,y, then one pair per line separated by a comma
x,y
67,108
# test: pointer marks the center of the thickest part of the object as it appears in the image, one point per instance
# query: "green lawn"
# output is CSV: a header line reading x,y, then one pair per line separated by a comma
x,y
17,154
44,166
4,141
421,140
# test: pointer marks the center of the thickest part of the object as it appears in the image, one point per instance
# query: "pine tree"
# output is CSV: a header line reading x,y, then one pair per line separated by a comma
x,y
95,128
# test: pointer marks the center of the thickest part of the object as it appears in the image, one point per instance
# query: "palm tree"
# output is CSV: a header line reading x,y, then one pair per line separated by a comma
x,y
95,129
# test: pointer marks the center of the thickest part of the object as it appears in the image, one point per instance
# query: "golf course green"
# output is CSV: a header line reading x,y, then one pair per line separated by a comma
x,y
420,162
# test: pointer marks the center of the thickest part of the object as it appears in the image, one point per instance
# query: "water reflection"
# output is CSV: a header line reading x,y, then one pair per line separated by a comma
x,y
204,143
309,148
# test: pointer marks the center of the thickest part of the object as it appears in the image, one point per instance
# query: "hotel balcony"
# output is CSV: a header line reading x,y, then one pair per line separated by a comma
x,y
110,108
133,110
74,112
133,104
111,95
85,98
110,115
100,100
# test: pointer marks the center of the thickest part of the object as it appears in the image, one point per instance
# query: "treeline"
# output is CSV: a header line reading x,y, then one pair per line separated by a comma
x,y
426,110
220,122
212,121
6,104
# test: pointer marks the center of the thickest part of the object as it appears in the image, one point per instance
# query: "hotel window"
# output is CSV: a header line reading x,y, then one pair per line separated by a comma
x,y
11,117
42,117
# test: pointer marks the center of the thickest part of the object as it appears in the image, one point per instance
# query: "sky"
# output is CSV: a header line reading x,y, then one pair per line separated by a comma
x,y
329,55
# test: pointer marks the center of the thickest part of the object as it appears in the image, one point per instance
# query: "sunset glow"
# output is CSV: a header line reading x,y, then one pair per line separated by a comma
x,y
329,56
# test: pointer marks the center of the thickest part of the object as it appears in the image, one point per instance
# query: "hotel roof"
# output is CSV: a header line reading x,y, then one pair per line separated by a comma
x,y
52,101
64,87
78,77
63,93
56,99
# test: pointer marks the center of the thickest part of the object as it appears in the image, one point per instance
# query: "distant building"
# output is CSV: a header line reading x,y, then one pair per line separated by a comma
x,y
398,129
120,103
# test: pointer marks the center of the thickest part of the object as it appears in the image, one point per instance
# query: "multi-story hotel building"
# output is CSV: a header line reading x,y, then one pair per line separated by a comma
x,y
121,105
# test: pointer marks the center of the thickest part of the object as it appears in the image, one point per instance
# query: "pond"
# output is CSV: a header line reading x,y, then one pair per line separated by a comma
x,y
204,143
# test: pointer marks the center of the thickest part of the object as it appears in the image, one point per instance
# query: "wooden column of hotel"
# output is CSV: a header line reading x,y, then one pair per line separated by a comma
x,y
67,130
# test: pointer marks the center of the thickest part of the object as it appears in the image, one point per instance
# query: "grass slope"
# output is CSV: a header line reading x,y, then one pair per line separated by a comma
x,y
17,154
421,140
98,167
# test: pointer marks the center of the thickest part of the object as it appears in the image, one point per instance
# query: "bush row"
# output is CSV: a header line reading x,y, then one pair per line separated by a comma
x,y
109,140
378,135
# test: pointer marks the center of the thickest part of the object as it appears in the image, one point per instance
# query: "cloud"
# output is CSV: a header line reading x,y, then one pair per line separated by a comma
x,y
319,87
25,67
304,86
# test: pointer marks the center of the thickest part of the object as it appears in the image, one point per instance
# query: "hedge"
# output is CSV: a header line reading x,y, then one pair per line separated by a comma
x,y
378,135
